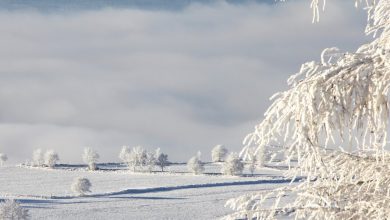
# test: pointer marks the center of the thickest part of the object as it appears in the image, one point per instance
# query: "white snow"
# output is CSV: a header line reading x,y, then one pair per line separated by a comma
x,y
121,194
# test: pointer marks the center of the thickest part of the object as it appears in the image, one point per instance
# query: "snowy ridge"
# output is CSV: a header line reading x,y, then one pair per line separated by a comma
x,y
181,187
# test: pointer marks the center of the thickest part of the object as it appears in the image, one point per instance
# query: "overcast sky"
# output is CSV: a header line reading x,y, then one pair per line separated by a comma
x,y
180,78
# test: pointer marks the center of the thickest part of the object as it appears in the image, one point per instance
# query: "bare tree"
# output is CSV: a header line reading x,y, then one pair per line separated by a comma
x,y
162,160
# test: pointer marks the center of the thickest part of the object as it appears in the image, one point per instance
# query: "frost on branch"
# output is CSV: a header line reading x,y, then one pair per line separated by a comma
x,y
333,120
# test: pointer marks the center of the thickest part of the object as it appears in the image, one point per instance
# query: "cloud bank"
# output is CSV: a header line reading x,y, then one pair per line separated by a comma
x,y
181,80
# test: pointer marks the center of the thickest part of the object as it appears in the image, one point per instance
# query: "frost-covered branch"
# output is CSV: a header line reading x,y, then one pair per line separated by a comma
x,y
333,120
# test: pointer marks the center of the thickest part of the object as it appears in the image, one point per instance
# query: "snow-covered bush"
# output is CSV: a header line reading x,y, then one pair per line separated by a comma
x,y
218,153
341,101
233,165
162,160
38,157
195,165
90,157
12,210
3,159
51,158
80,186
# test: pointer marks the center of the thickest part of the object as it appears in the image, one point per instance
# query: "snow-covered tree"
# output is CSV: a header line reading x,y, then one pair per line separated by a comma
x,y
3,159
162,160
333,120
124,153
81,186
195,165
233,165
90,157
38,157
150,161
51,158
255,160
134,158
219,153
12,210
252,164
139,157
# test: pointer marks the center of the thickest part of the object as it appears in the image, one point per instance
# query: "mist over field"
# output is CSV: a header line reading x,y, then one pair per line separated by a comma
x,y
179,75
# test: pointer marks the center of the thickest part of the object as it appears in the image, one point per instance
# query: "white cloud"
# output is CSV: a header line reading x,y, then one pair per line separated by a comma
x,y
181,80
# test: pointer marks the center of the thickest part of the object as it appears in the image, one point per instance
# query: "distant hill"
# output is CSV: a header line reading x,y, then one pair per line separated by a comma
x,y
65,5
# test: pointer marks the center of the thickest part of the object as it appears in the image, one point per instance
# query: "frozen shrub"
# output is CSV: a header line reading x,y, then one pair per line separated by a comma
x,y
90,157
195,165
51,158
38,157
3,159
233,165
218,153
80,186
11,210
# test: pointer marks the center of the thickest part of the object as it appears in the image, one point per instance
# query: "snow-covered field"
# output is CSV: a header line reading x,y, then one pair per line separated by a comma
x,y
120,194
